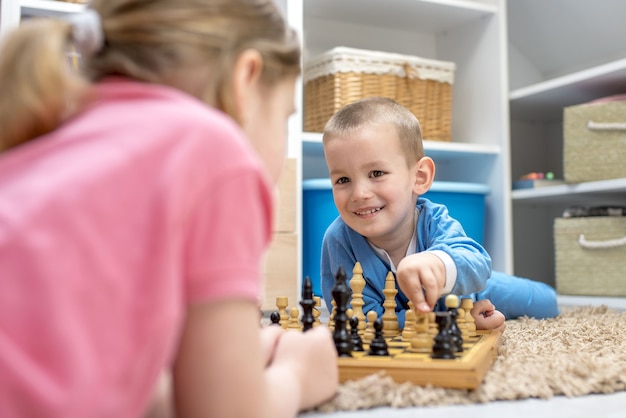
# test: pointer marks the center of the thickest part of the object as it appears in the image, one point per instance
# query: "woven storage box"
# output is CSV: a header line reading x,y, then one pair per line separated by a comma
x,y
594,141
344,75
591,255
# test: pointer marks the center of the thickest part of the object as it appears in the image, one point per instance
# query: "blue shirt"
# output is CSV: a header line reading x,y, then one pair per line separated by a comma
x,y
435,230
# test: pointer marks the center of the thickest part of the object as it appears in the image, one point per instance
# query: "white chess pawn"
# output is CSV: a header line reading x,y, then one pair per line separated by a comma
x,y
294,322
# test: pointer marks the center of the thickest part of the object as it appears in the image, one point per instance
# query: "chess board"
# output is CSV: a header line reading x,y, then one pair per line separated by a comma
x,y
466,371
403,364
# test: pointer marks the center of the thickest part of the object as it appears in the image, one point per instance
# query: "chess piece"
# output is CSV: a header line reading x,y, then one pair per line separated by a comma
x,y
357,284
275,318
357,341
316,311
467,304
461,322
390,319
331,317
341,294
378,346
281,304
409,325
421,341
368,334
443,348
307,304
293,322
452,303
349,313
432,325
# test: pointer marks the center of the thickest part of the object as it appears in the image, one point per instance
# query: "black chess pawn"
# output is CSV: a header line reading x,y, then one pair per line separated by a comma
x,y
443,348
357,341
275,318
307,304
378,346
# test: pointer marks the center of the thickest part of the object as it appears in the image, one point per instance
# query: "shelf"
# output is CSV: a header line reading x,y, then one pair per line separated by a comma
x,y
579,193
459,150
49,7
434,16
438,150
545,101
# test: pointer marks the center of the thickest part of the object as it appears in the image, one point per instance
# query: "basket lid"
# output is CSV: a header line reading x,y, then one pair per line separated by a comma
x,y
343,60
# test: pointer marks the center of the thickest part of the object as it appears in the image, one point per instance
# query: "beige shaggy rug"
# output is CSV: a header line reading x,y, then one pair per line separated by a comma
x,y
582,351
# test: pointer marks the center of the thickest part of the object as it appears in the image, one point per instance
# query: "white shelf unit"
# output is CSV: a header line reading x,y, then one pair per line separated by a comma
x,y
561,53
49,7
470,33
12,11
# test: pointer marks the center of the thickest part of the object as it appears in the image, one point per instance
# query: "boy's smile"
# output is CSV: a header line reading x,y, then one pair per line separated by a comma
x,y
367,212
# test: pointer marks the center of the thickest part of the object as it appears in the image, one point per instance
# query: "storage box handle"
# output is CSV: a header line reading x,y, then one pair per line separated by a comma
x,y
606,126
592,245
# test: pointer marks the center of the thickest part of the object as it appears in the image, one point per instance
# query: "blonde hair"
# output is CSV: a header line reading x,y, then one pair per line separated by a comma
x,y
191,45
378,110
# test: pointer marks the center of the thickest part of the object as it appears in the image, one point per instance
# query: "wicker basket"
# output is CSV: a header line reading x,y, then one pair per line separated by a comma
x,y
344,75
594,141
591,255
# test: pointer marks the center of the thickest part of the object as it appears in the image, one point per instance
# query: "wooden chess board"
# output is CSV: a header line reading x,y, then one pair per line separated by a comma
x,y
466,371
403,364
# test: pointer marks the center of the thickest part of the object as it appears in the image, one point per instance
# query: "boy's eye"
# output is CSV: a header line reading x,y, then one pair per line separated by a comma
x,y
376,173
342,180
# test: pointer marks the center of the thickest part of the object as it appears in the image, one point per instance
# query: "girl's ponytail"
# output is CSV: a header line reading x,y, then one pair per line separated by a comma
x,y
38,88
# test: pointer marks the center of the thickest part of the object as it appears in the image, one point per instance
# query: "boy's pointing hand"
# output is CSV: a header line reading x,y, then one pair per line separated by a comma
x,y
421,277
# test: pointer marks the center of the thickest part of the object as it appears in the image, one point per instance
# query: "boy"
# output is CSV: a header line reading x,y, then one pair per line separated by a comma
x,y
378,171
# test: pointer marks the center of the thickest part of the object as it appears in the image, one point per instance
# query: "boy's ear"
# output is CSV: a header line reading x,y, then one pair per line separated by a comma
x,y
424,175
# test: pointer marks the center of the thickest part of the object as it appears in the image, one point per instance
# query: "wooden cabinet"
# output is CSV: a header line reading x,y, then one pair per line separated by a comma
x,y
561,53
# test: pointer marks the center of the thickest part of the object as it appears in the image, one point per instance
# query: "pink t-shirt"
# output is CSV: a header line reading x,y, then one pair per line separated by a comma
x,y
110,226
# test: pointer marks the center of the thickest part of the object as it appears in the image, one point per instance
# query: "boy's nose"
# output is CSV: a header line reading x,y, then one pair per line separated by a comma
x,y
360,192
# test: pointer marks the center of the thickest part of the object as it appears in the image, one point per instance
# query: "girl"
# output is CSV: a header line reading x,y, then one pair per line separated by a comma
x,y
136,205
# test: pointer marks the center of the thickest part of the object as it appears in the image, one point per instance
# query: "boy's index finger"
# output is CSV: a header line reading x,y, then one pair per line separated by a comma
x,y
419,300
431,294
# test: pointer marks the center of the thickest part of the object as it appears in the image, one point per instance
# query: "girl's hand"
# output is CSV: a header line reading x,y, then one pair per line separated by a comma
x,y
269,340
311,358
